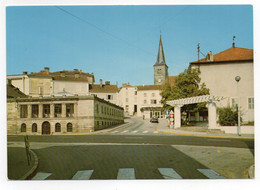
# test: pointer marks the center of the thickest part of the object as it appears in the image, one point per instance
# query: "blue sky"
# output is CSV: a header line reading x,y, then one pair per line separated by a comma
x,y
120,43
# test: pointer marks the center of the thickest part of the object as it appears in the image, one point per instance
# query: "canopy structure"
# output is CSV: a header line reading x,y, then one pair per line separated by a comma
x,y
210,99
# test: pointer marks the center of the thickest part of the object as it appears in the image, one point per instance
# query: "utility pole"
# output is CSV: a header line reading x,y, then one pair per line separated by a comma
x,y
198,52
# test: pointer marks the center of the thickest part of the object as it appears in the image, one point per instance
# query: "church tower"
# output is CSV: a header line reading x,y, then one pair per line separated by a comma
x,y
160,68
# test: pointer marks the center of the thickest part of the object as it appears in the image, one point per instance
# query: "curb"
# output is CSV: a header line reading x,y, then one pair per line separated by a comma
x,y
197,135
31,172
251,172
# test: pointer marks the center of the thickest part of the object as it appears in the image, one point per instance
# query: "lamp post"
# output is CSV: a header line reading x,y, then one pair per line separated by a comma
x,y
237,78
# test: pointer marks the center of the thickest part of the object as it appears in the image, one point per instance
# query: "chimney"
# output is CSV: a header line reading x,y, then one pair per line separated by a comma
x,y
107,83
100,83
47,70
62,74
211,58
25,72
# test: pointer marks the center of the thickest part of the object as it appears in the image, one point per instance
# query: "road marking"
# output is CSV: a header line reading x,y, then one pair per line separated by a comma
x,y
125,131
83,175
218,140
126,173
135,131
41,176
145,131
169,173
114,131
155,132
211,174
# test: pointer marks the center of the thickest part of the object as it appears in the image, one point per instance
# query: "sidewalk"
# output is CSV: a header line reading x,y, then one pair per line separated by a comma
x,y
198,131
18,168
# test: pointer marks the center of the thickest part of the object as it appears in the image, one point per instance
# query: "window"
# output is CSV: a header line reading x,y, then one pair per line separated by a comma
x,y
69,110
250,103
145,94
57,110
57,127
145,101
34,127
135,92
69,127
97,108
126,100
23,111
234,102
23,127
109,97
153,94
35,111
153,101
126,107
46,110
159,71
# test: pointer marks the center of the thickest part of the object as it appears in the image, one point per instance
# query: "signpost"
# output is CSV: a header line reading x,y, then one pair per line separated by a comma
x,y
171,119
27,148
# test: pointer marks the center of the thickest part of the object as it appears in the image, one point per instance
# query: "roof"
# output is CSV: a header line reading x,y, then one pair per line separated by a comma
x,y
104,89
13,92
58,73
230,55
169,80
39,74
160,56
149,87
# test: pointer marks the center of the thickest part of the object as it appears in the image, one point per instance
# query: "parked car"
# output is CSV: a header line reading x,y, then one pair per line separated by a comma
x,y
154,119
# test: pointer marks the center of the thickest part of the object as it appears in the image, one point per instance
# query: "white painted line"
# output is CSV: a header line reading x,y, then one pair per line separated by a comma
x,y
83,175
155,132
126,173
135,131
41,176
125,131
211,174
145,131
114,131
169,173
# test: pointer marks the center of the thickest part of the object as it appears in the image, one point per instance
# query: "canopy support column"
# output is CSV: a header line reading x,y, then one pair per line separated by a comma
x,y
177,116
212,115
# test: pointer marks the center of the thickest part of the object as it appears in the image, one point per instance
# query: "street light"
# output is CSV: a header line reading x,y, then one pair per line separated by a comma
x,y
237,78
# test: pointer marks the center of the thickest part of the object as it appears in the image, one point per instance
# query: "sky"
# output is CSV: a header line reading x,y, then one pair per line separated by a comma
x,y
120,43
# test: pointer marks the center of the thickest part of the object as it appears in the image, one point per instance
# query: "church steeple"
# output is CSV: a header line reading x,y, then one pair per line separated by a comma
x,y
160,67
160,56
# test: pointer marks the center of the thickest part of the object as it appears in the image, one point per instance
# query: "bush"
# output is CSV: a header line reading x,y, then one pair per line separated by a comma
x,y
228,116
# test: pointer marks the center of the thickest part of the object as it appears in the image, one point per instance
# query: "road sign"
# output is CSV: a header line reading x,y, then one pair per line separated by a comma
x,y
171,119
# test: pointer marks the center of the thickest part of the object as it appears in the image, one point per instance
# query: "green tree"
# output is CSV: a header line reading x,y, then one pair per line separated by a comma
x,y
186,84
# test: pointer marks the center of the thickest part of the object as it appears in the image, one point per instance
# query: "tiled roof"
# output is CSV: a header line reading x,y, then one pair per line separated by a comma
x,y
169,80
230,55
71,78
13,92
58,73
39,74
105,88
149,87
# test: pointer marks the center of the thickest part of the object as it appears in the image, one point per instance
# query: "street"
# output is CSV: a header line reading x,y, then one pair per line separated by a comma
x,y
138,151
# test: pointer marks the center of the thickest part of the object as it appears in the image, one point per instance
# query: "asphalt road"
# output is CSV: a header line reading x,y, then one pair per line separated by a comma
x,y
138,151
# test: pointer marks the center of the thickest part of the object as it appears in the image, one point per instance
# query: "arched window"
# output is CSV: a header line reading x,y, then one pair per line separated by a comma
x,y
34,127
23,127
69,127
57,127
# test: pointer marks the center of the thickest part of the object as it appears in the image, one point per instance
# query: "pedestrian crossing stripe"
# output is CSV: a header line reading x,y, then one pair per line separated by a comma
x,y
129,173
135,131
211,174
83,175
145,131
41,176
126,173
169,173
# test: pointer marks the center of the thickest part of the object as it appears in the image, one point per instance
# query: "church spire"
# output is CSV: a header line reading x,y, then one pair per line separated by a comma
x,y
160,57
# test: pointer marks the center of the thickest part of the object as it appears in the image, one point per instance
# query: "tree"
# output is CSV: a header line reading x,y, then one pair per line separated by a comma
x,y
186,84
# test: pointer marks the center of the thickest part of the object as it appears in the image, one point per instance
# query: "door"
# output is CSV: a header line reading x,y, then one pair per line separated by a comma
x,y
46,128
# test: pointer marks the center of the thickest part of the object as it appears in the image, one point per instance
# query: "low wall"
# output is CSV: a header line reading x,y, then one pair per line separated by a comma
x,y
233,129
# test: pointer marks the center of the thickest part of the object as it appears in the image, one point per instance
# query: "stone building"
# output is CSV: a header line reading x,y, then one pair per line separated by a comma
x,y
218,72
60,114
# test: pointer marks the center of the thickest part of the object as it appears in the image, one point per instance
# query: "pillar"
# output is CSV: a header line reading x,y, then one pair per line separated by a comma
x,y
212,112
177,116
51,110
40,110
29,111
63,110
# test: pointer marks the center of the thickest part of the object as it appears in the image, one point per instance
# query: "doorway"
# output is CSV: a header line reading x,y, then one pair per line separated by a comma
x,y
46,128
